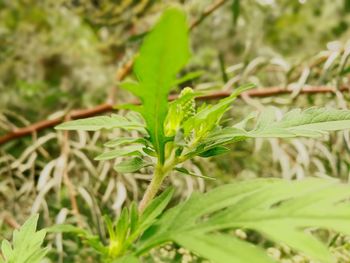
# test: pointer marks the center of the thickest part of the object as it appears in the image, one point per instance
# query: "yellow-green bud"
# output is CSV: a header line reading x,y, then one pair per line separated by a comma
x,y
188,106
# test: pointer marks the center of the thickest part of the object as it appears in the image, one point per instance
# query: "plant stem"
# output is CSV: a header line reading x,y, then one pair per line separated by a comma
x,y
152,189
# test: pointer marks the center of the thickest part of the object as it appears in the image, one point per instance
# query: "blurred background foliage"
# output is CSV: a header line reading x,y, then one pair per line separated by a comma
x,y
58,55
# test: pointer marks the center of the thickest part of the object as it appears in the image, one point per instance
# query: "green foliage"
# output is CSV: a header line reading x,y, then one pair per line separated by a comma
x,y
163,53
179,111
123,232
278,209
312,122
131,165
176,133
101,122
26,244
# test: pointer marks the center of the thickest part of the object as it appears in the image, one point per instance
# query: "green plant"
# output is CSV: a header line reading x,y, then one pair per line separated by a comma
x,y
176,132
26,244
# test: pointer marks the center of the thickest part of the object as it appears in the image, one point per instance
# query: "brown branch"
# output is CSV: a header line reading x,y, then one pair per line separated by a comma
x,y
76,114
275,91
108,106
126,69
209,10
10,221
84,113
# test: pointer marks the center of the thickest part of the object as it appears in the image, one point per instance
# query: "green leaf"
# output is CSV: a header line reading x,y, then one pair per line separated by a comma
x,y
66,228
149,151
312,122
219,248
236,8
127,259
214,141
91,239
188,76
224,136
121,228
208,117
127,151
280,210
26,245
99,123
6,249
134,218
110,228
155,208
125,140
185,171
179,111
131,165
164,52
214,151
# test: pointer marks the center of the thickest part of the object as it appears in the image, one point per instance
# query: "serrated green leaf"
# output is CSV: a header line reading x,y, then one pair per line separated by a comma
x,y
210,115
185,171
126,151
131,165
156,207
122,225
26,244
219,248
149,151
164,52
298,240
93,240
312,122
125,140
6,249
134,218
188,76
217,150
99,123
225,136
280,210
110,227
65,228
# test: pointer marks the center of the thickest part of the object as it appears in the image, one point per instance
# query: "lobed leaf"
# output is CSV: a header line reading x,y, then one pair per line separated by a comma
x,y
280,210
101,122
220,248
127,151
26,245
207,117
185,171
125,140
164,52
155,208
131,165
312,122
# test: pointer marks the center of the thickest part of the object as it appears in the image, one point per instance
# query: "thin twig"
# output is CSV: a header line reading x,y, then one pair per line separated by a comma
x,y
121,74
209,10
106,107
11,222
41,125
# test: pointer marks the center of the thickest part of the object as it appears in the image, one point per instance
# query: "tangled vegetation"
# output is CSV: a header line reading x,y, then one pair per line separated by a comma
x,y
243,165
